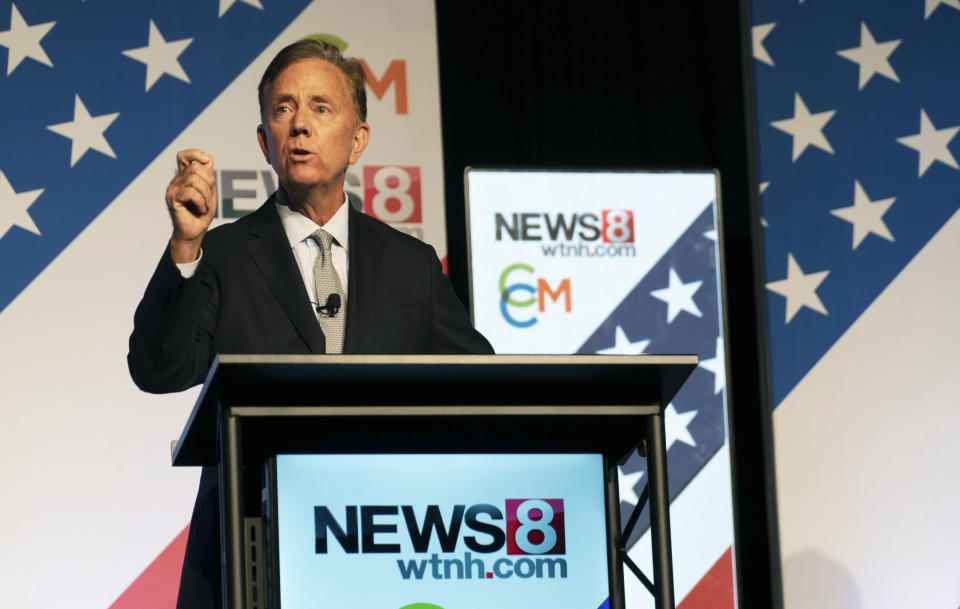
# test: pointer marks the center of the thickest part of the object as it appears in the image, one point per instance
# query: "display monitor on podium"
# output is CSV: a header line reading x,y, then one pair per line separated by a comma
x,y
511,531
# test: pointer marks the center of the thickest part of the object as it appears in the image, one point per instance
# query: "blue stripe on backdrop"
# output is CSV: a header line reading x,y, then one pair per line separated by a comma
x,y
126,79
858,105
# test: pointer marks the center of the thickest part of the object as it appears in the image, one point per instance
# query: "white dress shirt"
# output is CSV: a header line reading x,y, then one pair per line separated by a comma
x,y
305,249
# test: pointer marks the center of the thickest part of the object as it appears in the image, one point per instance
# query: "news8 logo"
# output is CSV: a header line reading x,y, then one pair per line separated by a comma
x,y
535,526
618,226
392,193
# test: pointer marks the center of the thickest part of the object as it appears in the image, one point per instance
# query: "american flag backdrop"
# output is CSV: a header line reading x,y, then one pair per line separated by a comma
x,y
92,94
97,97
858,112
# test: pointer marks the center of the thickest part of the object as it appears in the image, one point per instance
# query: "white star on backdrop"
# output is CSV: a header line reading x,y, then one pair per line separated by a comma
x,y
85,132
626,484
799,289
160,56
931,143
759,33
931,5
872,57
676,424
14,206
226,4
711,234
678,296
623,346
806,128
717,366
763,188
23,40
865,215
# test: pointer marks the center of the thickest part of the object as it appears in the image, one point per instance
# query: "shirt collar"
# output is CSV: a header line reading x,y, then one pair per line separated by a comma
x,y
299,227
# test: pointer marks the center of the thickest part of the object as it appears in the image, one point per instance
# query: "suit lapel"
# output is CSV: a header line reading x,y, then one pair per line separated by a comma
x,y
270,249
366,251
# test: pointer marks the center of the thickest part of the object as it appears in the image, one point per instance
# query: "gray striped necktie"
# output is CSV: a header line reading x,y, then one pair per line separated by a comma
x,y
328,282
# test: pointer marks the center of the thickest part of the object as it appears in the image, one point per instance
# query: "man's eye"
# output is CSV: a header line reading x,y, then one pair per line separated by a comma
x,y
322,110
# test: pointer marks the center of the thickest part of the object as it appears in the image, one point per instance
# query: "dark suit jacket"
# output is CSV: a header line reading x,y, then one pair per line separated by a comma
x,y
247,296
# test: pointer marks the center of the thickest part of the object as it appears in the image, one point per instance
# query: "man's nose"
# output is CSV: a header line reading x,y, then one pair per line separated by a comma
x,y
299,124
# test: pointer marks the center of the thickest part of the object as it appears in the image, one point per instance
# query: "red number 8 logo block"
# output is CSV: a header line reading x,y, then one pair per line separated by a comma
x,y
617,226
392,193
535,526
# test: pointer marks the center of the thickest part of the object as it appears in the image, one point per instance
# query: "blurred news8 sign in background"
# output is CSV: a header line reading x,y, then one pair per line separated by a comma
x,y
620,263
98,96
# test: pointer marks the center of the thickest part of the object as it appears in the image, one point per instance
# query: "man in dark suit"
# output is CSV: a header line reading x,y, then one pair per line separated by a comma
x,y
253,287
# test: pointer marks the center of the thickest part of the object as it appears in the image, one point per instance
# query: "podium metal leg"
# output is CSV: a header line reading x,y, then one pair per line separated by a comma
x,y
659,512
614,542
231,517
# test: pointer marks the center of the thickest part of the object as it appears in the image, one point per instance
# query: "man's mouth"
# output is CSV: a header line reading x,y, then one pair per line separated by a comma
x,y
298,154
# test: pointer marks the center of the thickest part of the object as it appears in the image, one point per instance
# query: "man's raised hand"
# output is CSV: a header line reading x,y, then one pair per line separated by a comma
x,y
192,203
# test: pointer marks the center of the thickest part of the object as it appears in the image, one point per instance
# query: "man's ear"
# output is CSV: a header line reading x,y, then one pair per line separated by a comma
x,y
360,138
262,138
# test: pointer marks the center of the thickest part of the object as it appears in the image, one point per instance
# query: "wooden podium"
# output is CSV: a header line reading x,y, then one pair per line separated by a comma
x,y
253,407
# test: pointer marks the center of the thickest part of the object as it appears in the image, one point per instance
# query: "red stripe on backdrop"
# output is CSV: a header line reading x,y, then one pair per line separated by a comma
x,y
715,590
156,587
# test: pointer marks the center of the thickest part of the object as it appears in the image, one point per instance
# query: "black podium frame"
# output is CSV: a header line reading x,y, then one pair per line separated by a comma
x,y
256,406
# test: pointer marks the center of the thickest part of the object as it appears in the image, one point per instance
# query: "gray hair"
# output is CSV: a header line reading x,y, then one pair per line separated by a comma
x,y
309,48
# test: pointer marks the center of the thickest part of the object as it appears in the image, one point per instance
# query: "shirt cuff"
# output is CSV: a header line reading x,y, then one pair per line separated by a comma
x,y
187,269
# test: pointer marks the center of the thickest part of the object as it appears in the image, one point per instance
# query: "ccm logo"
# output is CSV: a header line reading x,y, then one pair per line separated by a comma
x,y
617,226
535,526
392,193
